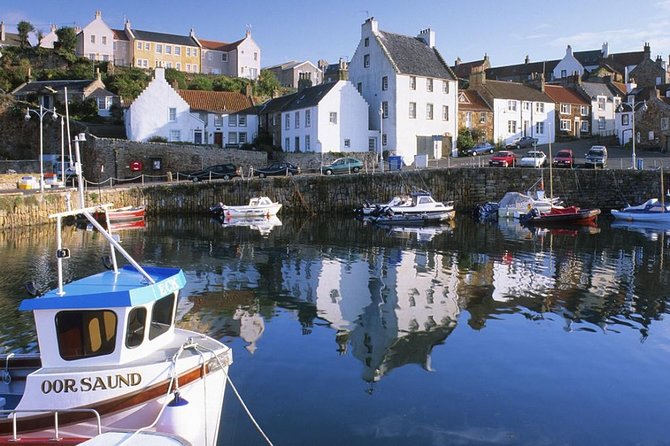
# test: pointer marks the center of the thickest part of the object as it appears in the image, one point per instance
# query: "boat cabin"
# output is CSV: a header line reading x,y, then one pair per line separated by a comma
x,y
90,325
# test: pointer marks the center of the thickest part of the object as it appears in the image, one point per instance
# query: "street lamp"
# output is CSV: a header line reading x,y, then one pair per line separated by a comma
x,y
381,137
41,113
634,135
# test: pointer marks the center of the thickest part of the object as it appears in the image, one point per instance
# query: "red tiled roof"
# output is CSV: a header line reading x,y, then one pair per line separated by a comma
x,y
564,95
119,34
219,46
475,102
216,101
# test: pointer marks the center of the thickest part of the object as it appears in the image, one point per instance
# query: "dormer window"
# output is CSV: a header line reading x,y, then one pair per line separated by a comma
x,y
85,333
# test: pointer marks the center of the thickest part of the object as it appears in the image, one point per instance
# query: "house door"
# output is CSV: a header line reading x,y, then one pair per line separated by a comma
x,y
424,146
197,137
578,125
526,124
218,139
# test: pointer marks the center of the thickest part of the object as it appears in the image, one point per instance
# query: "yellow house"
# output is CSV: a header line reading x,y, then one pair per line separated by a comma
x,y
151,49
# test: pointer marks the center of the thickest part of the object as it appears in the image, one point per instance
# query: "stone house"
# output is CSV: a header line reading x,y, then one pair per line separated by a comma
x,y
573,112
462,70
475,114
518,109
289,74
335,71
411,91
230,118
652,119
648,72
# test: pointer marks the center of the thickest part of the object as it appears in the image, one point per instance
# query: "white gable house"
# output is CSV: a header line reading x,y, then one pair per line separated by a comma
x,y
159,111
412,92
96,40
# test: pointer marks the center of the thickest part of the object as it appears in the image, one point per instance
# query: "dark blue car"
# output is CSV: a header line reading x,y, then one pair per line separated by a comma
x,y
481,149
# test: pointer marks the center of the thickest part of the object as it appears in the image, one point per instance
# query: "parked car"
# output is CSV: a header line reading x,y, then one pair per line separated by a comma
x,y
534,158
275,169
504,158
564,158
522,143
596,157
481,149
342,165
217,172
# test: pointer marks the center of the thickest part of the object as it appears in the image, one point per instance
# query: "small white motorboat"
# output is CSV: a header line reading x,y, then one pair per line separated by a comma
x,y
651,210
422,209
257,207
515,204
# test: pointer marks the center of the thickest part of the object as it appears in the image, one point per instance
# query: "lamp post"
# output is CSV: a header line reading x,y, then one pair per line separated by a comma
x,y
634,136
381,137
41,113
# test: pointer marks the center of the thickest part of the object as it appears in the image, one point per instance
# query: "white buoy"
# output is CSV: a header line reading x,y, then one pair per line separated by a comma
x,y
176,420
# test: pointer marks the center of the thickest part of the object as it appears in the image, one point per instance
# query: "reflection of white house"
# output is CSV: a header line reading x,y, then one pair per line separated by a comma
x,y
159,111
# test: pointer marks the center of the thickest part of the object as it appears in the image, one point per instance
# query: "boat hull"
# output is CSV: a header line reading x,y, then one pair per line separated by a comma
x,y
581,217
652,217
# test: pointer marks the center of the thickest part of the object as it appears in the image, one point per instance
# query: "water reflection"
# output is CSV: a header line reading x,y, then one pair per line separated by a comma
x,y
262,224
389,298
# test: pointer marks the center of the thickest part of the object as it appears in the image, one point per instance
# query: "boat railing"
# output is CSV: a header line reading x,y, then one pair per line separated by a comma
x,y
12,413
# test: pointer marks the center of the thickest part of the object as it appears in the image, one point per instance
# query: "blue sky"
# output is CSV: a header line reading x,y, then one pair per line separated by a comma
x,y
310,30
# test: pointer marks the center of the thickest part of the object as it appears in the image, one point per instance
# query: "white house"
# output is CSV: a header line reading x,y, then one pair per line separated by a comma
x,y
230,118
605,99
95,40
238,59
48,40
411,91
160,111
568,66
326,118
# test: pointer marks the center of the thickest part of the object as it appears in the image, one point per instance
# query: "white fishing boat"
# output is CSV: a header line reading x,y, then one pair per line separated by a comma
x,y
652,210
372,209
422,209
111,358
257,207
515,204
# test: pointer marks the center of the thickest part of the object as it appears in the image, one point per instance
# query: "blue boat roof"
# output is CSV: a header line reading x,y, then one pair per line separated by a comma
x,y
128,288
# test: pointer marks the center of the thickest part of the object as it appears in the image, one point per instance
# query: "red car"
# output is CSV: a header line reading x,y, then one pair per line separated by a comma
x,y
564,158
504,158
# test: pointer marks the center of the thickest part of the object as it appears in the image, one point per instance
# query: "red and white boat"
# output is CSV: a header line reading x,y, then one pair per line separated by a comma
x,y
122,214
572,215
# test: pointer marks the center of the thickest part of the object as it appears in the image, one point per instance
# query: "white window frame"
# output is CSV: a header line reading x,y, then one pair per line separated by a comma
x,y
308,118
172,114
308,143
218,120
412,110
429,84
412,82
445,113
332,117
511,105
385,83
566,109
159,48
296,122
511,127
366,61
585,126
584,110
175,135
539,128
539,107
385,109
602,124
429,111
445,87
287,121
565,125
177,50
232,137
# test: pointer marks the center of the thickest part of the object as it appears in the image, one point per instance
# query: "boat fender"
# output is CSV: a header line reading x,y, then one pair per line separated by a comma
x,y
178,419
389,212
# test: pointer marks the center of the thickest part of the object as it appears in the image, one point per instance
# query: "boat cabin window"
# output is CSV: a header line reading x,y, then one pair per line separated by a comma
x,y
137,321
85,333
162,314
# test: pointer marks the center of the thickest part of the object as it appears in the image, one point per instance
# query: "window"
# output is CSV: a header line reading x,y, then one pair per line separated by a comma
x,y
511,127
482,117
242,137
429,111
385,83
308,145
242,120
287,121
333,117
584,110
297,120
429,84
366,61
384,139
255,56
296,148
104,40
412,110
539,107
188,67
162,315
445,112
232,120
175,135
625,119
511,105
412,82
564,73
372,144
651,135
85,333
445,87
565,125
224,57
159,48
172,114
665,123
385,109
177,51
188,51
137,321
359,87
145,63
601,102
525,105
232,138
168,49
105,57
218,120
601,123
92,38
585,126
195,68
287,144
168,64
308,118
566,109
539,128
139,45
347,143
91,56
178,66
366,42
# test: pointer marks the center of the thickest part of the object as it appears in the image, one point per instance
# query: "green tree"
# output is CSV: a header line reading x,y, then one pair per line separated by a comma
x,y
465,140
267,83
172,76
24,28
67,39
200,83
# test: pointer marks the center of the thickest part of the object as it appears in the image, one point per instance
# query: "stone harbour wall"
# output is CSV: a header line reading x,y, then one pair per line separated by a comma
x,y
314,194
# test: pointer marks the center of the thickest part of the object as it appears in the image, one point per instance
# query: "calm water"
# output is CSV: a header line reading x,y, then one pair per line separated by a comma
x,y
345,334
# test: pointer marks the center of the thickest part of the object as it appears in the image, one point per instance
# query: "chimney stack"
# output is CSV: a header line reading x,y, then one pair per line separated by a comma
x,y
428,37
477,76
527,59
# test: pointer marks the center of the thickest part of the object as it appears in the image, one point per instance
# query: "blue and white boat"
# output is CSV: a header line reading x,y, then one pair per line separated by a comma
x,y
651,210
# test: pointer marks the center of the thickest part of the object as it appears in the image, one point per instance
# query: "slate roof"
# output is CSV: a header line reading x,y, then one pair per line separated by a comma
x,y
219,46
523,70
173,39
564,95
277,104
514,90
217,101
286,65
589,57
474,101
73,86
11,39
412,56
119,34
309,97
593,89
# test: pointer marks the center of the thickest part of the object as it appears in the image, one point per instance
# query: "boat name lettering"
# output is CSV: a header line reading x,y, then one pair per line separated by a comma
x,y
168,286
90,384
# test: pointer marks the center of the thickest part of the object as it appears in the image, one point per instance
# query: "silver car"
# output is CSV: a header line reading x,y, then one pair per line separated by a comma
x,y
534,158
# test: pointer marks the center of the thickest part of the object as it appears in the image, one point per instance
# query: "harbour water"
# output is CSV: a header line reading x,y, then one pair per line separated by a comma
x,y
467,334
